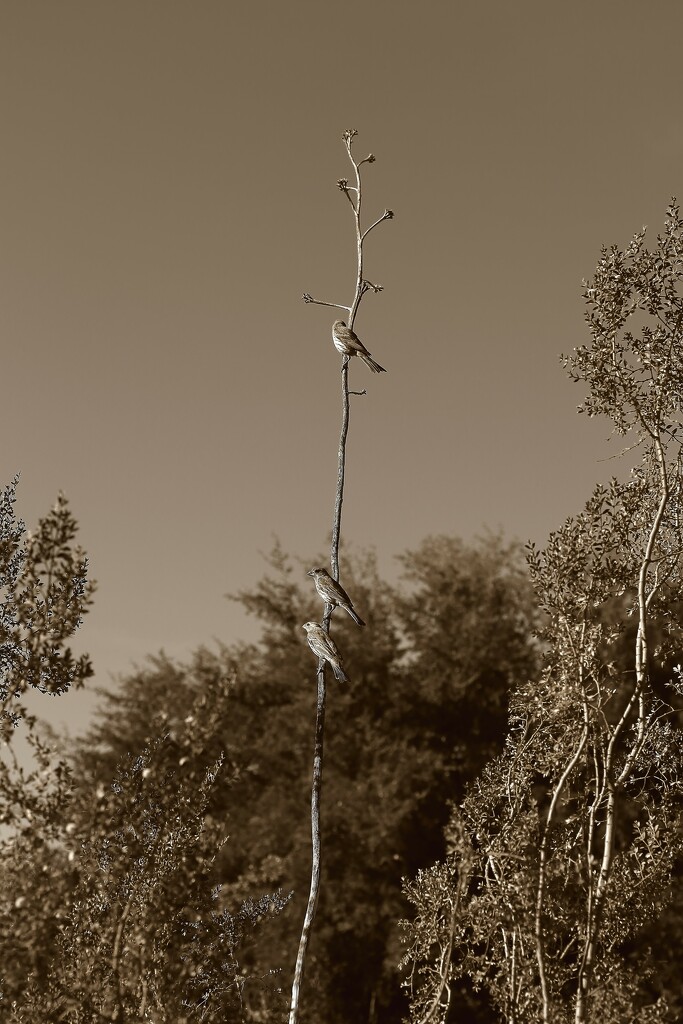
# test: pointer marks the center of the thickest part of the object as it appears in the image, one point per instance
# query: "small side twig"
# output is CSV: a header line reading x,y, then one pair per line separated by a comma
x,y
318,302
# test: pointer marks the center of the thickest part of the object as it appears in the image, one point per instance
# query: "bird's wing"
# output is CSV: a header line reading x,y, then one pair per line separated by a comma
x,y
328,646
342,593
322,642
358,345
331,647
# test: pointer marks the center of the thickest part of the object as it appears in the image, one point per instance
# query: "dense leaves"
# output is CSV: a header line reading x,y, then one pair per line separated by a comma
x,y
44,593
110,908
425,708
565,849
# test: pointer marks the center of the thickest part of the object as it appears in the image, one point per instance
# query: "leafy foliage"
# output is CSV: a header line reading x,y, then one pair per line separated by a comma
x,y
565,847
396,753
44,593
110,907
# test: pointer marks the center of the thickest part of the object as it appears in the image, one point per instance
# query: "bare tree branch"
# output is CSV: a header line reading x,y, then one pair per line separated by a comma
x,y
361,287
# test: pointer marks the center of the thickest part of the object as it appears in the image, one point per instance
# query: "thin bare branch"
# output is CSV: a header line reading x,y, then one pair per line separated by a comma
x,y
319,302
387,215
361,287
540,892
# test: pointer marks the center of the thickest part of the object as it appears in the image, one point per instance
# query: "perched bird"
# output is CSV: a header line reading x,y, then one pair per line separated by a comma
x,y
324,647
333,593
348,343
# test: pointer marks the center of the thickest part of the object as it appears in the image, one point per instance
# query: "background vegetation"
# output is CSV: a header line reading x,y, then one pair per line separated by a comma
x,y
503,770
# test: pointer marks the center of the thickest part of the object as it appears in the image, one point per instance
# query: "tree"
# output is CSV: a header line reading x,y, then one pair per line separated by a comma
x,y
44,593
393,759
136,925
110,909
563,849
467,623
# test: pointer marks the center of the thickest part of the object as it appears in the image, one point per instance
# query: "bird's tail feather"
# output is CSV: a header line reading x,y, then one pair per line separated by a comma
x,y
356,618
372,363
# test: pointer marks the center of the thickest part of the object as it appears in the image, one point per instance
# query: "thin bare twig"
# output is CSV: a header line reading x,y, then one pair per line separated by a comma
x,y
318,302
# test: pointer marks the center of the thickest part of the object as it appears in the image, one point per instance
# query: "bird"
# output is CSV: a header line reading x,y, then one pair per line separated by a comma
x,y
348,343
322,645
333,593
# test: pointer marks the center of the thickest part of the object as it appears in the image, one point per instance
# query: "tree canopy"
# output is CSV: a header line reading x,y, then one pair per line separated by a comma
x,y
219,749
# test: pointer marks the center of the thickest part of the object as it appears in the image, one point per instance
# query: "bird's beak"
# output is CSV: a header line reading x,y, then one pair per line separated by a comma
x,y
311,572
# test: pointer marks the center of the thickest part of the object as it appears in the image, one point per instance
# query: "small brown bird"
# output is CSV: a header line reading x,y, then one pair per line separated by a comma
x,y
333,593
323,646
348,343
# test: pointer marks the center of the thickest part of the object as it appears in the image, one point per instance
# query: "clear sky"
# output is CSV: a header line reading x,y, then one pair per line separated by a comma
x,y
169,175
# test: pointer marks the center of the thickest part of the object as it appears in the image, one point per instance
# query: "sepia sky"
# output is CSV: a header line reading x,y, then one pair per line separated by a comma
x,y
169,175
